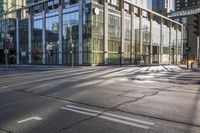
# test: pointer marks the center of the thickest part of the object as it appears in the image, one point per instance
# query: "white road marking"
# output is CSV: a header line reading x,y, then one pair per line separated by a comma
x,y
84,109
29,119
124,122
80,112
109,116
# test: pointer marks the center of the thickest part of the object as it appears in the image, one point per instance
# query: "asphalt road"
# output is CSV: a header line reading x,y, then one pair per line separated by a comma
x,y
156,99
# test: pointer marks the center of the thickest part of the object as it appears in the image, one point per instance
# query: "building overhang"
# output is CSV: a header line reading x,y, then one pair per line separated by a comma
x,y
184,13
152,12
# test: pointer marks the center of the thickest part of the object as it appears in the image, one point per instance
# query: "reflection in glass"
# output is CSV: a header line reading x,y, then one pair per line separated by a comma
x,y
70,37
37,41
23,41
52,40
114,28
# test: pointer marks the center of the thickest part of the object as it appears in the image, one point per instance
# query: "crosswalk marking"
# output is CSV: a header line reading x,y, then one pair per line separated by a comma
x,y
110,117
115,74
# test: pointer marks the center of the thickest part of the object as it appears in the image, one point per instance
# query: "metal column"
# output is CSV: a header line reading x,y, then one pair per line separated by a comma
x,y
43,36
106,32
176,44
140,34
132,33
161,41
122,35
80,45
29,40
170,41
17,36
151,39
60,35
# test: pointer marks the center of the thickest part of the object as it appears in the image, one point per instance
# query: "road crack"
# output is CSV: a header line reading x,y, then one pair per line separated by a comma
x,y
5,130
152,93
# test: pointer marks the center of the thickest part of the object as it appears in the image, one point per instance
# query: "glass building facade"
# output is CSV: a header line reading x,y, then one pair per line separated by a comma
x,y
86,32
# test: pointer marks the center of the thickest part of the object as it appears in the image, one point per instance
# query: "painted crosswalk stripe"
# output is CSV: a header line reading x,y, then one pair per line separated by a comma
x,y
109,117
109,114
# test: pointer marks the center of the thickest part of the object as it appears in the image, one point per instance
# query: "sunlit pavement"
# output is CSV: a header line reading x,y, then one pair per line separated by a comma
x,y
129,99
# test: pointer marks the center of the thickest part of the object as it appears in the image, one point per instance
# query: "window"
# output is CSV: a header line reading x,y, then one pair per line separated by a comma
x,y
70,2
114,2
53,4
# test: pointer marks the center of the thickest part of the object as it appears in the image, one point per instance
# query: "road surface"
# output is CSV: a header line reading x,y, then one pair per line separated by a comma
x,y
156,99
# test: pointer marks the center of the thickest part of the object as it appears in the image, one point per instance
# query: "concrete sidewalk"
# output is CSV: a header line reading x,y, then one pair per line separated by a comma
x,y
31,68
196,70
195,67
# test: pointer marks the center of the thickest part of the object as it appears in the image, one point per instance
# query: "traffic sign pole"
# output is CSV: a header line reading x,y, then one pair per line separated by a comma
x,y
6,61
72,54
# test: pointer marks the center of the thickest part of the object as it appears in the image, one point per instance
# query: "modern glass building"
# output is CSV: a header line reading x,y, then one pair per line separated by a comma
x,y
87,32
163,6
184,13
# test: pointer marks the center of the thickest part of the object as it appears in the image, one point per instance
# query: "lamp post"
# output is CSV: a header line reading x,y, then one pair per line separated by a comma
x,y
72,54
120,56
173,52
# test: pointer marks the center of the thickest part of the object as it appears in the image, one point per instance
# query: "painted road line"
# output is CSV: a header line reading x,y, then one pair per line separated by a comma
x,y
124,122
109,117
80,112
112,115
84,109
30,119
129,119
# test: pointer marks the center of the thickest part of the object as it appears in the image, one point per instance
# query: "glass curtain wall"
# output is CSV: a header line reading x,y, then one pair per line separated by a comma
x,y
23,41
52,38
70,35
127,41
136,47
37,39
2,29
173,46
11,30
165,41
179,44
114,42
97,36
146,36
87,34
156,38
